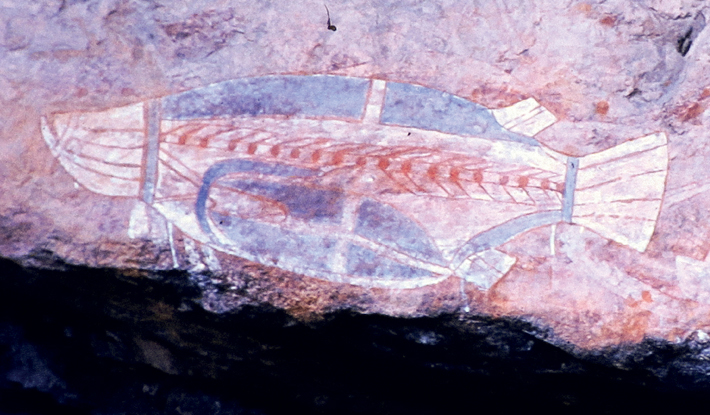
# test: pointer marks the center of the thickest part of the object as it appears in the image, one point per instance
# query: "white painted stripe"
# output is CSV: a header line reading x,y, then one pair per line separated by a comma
x,y
375,101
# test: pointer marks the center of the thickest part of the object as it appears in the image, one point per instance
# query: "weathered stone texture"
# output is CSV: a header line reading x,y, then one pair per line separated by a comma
x,y
612,74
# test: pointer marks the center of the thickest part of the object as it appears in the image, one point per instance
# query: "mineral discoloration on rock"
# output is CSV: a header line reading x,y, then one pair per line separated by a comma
x,y
611,74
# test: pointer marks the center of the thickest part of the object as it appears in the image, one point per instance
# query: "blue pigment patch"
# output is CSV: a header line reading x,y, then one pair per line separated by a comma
x,y
238,166
420,107
307,96
271,245
151,149
570,185
502,233
387,226
363,262
303,202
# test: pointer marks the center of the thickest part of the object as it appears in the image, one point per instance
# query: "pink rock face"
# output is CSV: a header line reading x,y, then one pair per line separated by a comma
x,y
515,160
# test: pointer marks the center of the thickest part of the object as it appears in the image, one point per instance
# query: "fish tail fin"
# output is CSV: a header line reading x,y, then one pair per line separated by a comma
x,y
619,191
103,151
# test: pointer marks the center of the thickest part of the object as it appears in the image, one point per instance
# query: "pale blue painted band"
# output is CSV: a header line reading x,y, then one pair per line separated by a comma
x,y
570,184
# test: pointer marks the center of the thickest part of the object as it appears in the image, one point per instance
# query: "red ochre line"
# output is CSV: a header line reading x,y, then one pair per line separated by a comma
x,y
528,195
113,130
232,145
81,163
547,194
182,176
179,198
189,131
508,193
196,183
609,161
620,201
193,134
188,125
99,160
579,189
399,183
489,265
182,138
185,127
649,172
529,116
558,195
593,215
108,146
625,178
204,141
80,166
455,179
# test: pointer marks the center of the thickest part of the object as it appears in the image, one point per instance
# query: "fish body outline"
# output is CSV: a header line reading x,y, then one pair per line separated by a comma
x,y
358,180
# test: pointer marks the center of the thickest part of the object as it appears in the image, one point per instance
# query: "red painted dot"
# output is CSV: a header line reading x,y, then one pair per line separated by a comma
x,y
608,20
232,145
407,167
601,108
295,153
454,175
252,148
204,141
503,180
316,156
523,181
383,163
545,184
478,176
275,150
693,111
361,161
338,157
183,139
431,172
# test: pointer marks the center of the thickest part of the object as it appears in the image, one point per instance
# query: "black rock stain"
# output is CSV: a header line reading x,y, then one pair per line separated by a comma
x,y
330,25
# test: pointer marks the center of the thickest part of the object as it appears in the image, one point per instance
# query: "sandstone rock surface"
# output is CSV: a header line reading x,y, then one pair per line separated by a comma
x,y
538,161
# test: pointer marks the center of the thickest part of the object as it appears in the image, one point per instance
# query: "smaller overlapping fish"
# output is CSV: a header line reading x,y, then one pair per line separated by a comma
x,y
358,180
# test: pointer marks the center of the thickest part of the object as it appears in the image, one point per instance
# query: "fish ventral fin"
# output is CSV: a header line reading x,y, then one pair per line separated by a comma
x,y
486,268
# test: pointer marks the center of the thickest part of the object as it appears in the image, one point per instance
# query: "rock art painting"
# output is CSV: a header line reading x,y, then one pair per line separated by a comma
x,y
357,180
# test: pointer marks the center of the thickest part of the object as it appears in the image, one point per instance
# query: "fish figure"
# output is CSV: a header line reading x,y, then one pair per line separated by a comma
x,y
358,180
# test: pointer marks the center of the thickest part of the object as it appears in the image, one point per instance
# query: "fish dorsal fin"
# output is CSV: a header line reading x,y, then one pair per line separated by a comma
x,y
526,117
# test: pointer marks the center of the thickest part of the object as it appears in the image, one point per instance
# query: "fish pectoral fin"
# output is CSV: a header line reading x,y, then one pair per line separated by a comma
x,y
526,117
486,268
